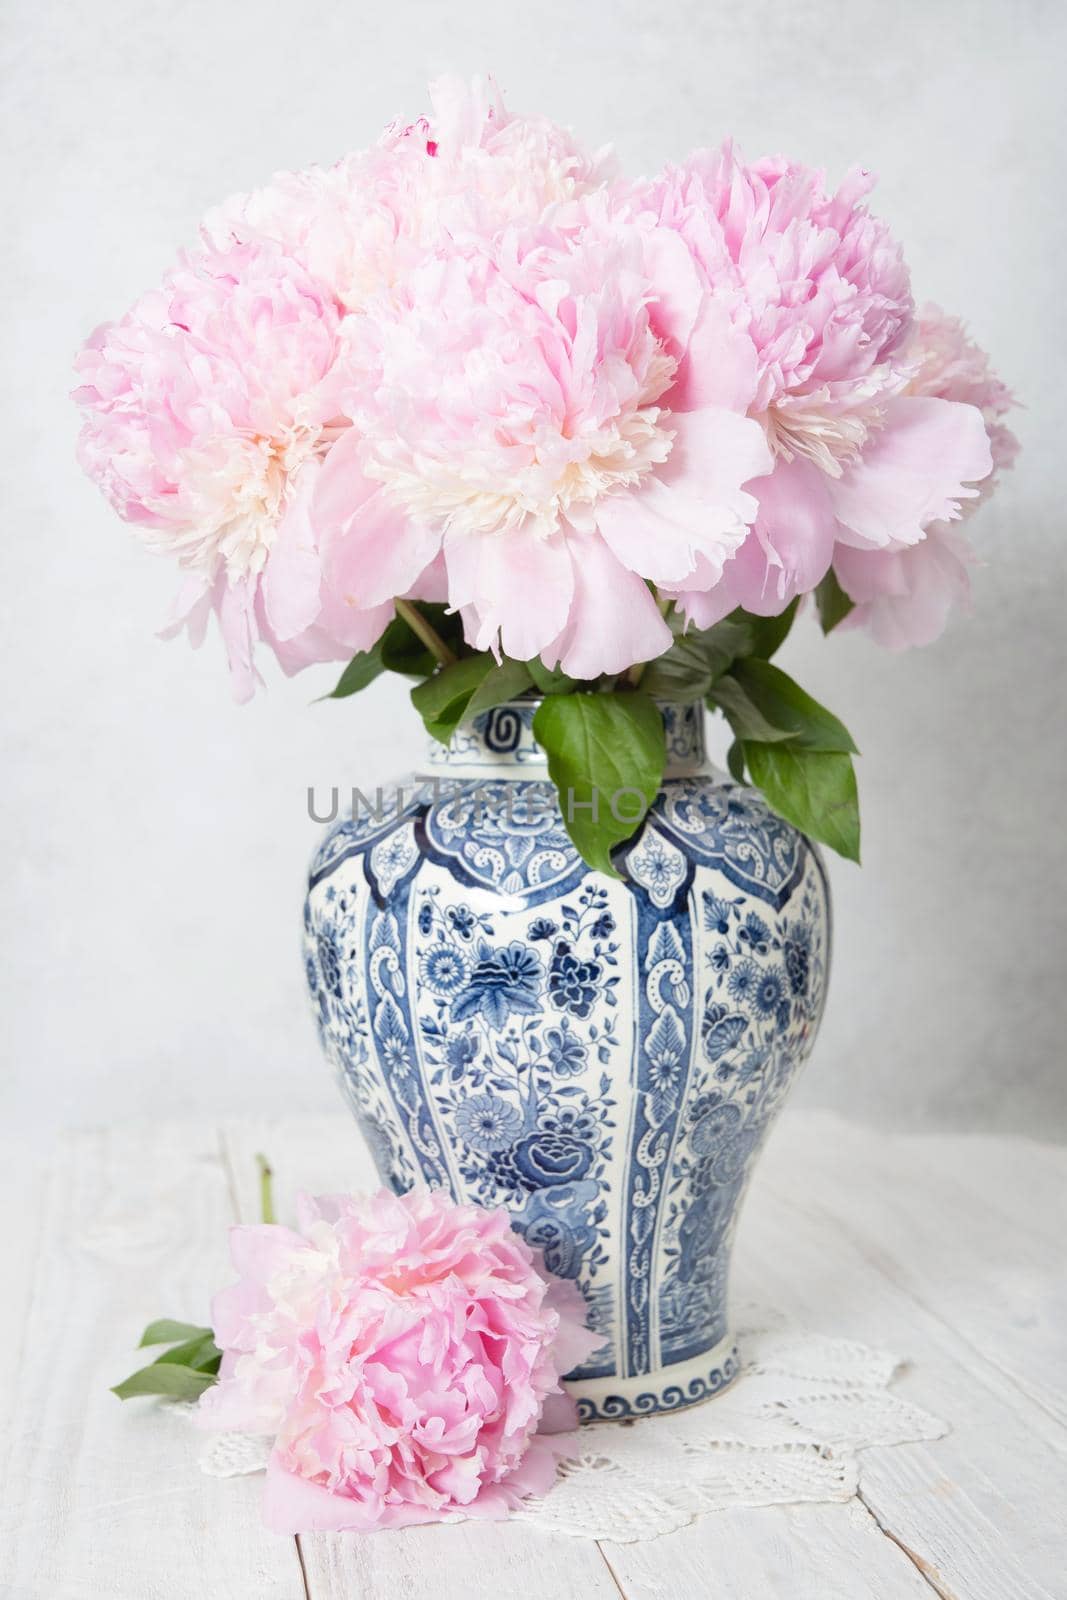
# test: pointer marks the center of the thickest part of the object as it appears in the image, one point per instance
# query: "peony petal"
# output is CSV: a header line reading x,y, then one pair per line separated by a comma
x,y
904,597
613,620
293,574
559,1414
432,582
692,506
720,366
259,1249
191,609
575,1341
679,293
791,544
371,551
294,1505
914,471
236,613
517,586
703,608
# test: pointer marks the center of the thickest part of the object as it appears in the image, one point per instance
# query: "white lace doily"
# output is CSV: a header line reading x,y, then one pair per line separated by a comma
x,y
786,1430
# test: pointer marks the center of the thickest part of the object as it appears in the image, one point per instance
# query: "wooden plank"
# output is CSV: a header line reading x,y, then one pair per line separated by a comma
x,y
963,1555
23,1182
974,1232
810,1248
770,1553
475,1560
106,1499
457,1561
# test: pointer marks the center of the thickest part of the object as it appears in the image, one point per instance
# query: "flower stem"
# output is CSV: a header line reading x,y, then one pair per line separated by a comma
x,y
637,671
266,1191
422,630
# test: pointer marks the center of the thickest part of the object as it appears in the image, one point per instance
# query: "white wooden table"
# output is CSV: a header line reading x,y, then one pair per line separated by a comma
x,y
947,1250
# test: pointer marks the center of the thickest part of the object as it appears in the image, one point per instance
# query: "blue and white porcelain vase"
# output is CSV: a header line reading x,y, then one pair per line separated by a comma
x,y
601,1057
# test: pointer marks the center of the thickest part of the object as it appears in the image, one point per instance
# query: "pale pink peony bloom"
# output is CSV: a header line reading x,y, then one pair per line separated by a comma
x,y
905,592
462,173
406,1353
514,409
208,409
950,366
822,292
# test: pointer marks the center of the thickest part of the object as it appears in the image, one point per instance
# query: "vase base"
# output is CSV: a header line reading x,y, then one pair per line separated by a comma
x,y
684,1383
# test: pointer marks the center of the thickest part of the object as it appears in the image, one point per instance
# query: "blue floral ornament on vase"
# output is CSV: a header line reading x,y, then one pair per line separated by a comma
x,y
603,1058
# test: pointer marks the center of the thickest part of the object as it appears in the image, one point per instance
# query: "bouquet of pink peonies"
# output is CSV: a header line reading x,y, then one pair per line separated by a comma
x,y
471,407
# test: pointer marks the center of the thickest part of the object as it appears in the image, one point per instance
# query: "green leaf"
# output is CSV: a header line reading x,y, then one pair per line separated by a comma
x,y
744,717
723,643
550,682
606,754
403,651
465,688
201,1353
166,1331
681,673
735,760
766,634
174,1382
363,668
762,702
833,603
502,683
398,650
696,660
442,700
813,789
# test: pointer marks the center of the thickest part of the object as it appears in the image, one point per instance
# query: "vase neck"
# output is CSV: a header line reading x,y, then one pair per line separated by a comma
x,y
501,743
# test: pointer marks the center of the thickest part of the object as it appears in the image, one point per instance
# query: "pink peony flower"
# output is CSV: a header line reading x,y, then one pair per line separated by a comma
x,y
514,409
950,366
406,1352
822,292
905,592
208,409
462,173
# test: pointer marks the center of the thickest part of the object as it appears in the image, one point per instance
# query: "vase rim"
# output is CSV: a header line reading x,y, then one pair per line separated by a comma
x,y
500,742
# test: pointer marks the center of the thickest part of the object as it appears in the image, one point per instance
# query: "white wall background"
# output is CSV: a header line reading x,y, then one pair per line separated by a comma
x,y
155,835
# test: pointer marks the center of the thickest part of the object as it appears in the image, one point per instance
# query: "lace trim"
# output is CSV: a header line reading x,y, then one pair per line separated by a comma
x,y
787,1430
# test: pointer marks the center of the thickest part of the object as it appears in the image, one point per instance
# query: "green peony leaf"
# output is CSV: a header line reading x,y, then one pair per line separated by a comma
x,y
723,643
166,1331
606,754
465,688
682,673
762,702
832,602
766,634
813,789
735,760
744,716
697,659
502,683
364,667
443,699
550,682
398,650
201,1353
171,1381
403,651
